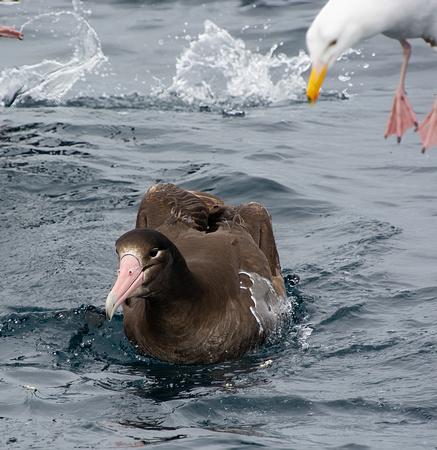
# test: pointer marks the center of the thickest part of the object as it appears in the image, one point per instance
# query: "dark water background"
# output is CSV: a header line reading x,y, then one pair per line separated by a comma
x,y
104,98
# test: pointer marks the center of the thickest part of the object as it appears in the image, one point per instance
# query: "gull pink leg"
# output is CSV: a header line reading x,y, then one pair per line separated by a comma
x,y
428,129
402,115
10,32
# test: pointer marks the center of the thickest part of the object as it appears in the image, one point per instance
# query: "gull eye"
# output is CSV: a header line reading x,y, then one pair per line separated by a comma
x,y
332,43
153,252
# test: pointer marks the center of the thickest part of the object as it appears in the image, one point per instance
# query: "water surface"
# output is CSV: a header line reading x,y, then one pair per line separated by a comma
x,y
103,99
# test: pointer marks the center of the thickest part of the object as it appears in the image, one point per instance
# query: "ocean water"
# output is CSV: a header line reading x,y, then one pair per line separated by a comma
x,y
104,98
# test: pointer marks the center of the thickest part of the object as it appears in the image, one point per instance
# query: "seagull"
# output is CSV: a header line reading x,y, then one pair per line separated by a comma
x,y
343,23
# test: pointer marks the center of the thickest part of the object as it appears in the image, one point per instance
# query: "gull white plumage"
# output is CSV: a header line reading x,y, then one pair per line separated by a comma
x,y
341,24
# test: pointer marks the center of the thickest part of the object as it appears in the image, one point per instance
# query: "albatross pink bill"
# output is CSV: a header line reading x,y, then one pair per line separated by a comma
x,y
130,276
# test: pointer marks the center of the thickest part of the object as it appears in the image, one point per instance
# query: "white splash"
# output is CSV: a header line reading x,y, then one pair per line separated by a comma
x,y
217,70
303,333
52,79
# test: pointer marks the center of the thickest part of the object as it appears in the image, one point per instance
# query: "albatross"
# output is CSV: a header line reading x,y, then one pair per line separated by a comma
x,y
343,23
199,281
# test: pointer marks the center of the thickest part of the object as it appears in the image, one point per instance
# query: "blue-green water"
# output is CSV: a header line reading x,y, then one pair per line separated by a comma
x,y
105,98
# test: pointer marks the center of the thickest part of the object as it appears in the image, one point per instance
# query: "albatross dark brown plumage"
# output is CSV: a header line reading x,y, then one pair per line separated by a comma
x,y
200,282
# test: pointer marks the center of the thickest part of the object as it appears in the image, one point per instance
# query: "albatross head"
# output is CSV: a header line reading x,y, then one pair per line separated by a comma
x,y
143,254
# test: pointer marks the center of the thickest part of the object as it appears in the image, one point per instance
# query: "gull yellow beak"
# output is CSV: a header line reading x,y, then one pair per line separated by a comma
x,y
315,82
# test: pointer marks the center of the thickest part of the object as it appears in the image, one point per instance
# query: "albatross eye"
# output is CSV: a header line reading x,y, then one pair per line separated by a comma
x,y
332,43
153,252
